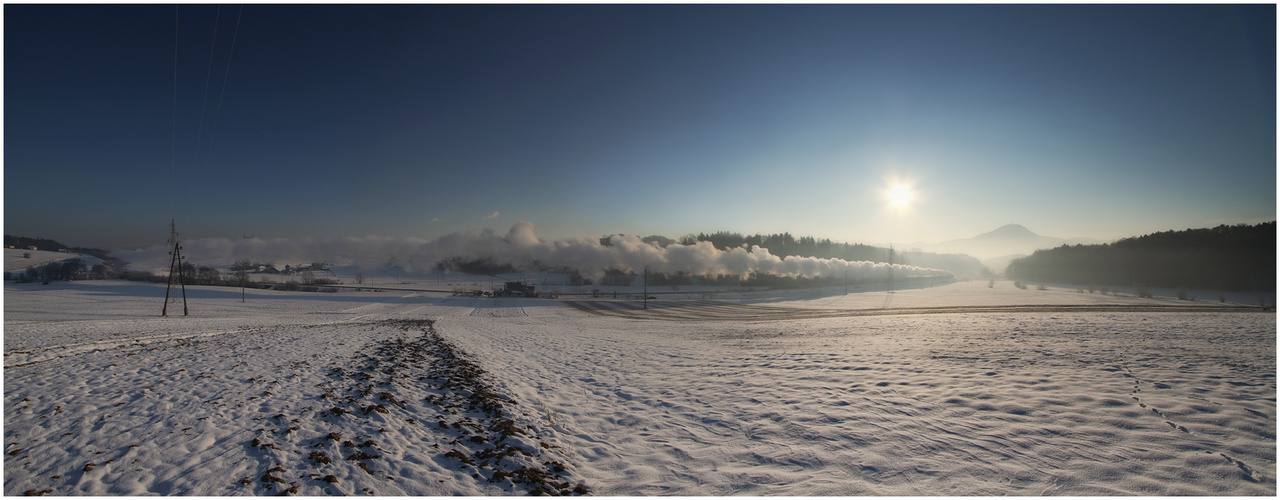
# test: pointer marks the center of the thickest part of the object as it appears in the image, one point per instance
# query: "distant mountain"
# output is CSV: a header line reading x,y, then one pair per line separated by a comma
x,y
998,247
1009,232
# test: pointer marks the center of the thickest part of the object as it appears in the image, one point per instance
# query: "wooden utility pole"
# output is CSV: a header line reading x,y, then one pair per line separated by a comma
x,y
646,287
175,263
890,268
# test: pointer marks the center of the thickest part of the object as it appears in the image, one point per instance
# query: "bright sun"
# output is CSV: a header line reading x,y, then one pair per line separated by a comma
x,y
899,195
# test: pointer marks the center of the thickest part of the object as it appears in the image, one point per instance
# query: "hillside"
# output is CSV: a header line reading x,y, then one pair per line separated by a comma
x,y
41,258
27,243
48,245
1240,257
20,260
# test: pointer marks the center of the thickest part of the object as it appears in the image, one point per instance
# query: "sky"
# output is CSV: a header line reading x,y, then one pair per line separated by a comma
x,y
420,121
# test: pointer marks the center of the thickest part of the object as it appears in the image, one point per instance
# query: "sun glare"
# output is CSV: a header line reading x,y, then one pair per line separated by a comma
x,y
899,195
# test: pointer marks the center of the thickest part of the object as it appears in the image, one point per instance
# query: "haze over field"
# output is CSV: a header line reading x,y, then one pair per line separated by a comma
x,y
870,124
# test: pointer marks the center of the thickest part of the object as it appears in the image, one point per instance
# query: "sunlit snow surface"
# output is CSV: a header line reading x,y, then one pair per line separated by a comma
x,y
770,393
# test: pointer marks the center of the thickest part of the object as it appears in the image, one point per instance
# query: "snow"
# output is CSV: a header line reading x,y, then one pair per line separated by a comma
x,y
956,389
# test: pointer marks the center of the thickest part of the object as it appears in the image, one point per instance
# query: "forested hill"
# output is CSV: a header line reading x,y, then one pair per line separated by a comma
x,y
783,245
1240,257
49,245
40,243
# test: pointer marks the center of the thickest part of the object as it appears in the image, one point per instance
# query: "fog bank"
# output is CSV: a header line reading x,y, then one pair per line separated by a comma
x,y
521,248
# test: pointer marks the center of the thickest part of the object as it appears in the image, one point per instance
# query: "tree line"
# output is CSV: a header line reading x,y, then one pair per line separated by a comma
x,y
24,242
1239,257
785,245
65,270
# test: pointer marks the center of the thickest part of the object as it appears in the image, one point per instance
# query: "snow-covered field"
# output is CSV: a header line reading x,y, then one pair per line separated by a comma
x,y
959,389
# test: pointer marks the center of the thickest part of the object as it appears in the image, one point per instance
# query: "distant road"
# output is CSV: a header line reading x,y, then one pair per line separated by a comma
x,y
637,293
705,310
388,289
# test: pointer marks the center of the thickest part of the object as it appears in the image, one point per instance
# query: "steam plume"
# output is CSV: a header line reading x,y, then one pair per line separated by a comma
x,y
520,247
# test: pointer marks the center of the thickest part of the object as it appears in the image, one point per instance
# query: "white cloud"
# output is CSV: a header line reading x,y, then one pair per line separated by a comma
x,y
491,216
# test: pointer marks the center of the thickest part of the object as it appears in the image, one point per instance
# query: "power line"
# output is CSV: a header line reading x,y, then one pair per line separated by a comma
x,y
203,99
226,74
176,262
202,170
173,146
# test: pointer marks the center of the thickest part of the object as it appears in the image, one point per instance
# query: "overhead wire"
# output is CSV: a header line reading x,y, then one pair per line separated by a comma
x,y
225,75
213,131
200,124
173,146
199,170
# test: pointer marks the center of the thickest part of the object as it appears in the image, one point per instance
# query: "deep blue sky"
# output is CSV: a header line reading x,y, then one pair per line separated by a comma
x,y
420,120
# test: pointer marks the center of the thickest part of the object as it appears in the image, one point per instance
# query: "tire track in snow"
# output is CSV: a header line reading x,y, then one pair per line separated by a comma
x,y
47,353
183,419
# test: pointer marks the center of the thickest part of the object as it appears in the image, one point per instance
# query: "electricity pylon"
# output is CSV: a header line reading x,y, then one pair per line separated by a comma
x,y
175,263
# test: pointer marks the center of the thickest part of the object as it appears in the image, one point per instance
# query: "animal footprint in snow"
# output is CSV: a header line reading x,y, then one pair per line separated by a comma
x,y
1249,473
